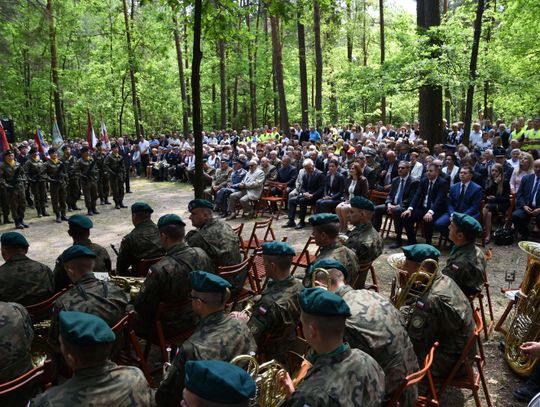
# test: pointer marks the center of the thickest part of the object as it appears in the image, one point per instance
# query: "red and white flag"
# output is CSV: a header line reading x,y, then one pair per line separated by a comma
x,y
104,137
90,134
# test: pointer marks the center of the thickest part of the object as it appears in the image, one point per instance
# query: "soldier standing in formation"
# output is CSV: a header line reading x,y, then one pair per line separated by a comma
x,y
103,176
73,191
86,170
12,178
115,171
56,173
35,174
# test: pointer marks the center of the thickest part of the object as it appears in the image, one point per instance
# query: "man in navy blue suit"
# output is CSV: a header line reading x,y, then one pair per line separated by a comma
x,y
465,197
333,189
528,201
429,204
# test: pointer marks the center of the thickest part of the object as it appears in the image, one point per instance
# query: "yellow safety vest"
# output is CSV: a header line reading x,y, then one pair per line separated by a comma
x,y
532,135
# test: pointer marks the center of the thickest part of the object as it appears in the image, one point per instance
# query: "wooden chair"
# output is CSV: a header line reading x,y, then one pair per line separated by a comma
x,y
270,202
42,375
377,197
471,379
364,268
42,310
387,226
258,271
238,230
305,258
255,240
488,325
145,264
131,352
230,272
416,377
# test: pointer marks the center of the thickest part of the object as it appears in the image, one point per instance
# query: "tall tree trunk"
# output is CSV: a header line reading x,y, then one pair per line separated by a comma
x,y
304,105
447,95
186,66
183,95
381,22
196,95
131,60
364,32
472,70
223,84
488,111
318,62
349,32
54,67
430,103
278,74
251,63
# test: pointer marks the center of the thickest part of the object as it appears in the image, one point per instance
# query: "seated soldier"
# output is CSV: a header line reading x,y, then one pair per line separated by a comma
x,y
275,313
22,280
79,230
466,264
86,343
339,376
214,383
325,232
88,294
374,327
168,280
141,243
217,336
442,314
364,240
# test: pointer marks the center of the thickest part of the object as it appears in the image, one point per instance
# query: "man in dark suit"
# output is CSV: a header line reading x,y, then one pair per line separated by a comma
x,y
528,201
311,190
428,204
333,189
402,191
287,173
389,170
367,171
124,152
464,197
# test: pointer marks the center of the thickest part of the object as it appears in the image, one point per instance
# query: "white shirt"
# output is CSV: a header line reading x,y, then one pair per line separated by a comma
x,y
475,138
144,146
417,170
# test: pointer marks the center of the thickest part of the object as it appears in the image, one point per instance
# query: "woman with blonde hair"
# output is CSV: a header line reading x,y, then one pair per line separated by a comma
x,y
357,185
497,198
525,167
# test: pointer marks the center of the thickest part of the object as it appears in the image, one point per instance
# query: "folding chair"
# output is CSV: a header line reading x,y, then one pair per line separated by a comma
x,y
488,325
471,379
305,258
145,264
42,374
416,377
377,197
365,268
387,226
229,273
255,241
131,353
269,202
238,230
258,271
42,310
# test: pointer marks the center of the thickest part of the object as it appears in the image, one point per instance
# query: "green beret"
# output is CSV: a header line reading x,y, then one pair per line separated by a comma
x,y
205,282
80,328
218,381
466,223
170,219
320,302
278,249
362,203
76,251
138,207
323,219
81,221
13,239
420,252
200,203
329,264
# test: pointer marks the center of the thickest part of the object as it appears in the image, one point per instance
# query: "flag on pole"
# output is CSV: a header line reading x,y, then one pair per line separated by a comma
x,y
104,137
4,144
90,134
57,140
40,142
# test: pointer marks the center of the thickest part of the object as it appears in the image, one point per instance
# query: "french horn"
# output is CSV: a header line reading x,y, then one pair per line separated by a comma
x,y
131,285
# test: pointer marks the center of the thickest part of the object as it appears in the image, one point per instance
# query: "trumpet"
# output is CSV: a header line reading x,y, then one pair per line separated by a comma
x,y
131,285
326,274
40,349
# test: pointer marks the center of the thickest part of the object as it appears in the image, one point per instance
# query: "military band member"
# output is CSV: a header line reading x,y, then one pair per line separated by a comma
x,y
339,375
73,188
87,172
466,264
56,173
86,341
12,178
22,280
375,327
35,174
103,176
141,243
79,230
217,336
115,170
169,279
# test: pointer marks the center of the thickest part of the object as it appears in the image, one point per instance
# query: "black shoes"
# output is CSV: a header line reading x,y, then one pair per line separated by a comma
x,y
289,225
122,205
395,245
301,225
524,394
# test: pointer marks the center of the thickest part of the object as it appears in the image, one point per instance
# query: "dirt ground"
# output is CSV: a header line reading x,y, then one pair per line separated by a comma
x,y
48,239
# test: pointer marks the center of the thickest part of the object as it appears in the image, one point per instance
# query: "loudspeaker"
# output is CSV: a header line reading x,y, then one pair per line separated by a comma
x,y
9,130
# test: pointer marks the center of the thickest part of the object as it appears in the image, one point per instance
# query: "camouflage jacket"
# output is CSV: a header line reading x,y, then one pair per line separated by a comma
x,y
169,281
443,314
35,170
69,164
114,166
99,158
25,281
222,177
344,255
466,265
275,316
56,172
102,264
366,242
106,385
218,336
345,377
92,296
86,170
12,177
141,243
377,328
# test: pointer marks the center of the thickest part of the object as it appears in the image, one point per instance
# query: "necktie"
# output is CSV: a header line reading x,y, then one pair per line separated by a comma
x,y
534,194
399,197
428,204
461,197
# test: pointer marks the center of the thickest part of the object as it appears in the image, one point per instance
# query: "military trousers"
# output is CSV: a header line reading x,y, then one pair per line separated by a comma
x,y
39,191
4,202
17,201
90,194
58,197
73,192
117,187
103,187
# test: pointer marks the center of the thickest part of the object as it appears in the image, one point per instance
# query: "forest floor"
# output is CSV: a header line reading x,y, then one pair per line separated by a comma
x,y
48,239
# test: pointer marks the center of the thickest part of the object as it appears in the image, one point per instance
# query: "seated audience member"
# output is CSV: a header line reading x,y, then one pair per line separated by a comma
x,y
333,189
250,189
236,177
357,185
527,201
497,196
451,170
525,168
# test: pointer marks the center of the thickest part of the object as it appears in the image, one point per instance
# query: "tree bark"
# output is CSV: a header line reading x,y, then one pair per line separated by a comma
x,y
349,32
364,32
251,63
223,84
278,74
131,60
304,105
381,22
472,70
318,62
183,95
54,67
196,95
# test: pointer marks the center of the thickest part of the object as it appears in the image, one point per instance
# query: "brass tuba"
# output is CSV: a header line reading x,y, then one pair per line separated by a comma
x,y
131,285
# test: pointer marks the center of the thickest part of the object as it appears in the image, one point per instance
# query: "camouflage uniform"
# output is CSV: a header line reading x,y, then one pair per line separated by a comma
x,y
220,181
141,243
168,281
56,172
35,174
87,172
92,296
73,192
12,179
376,327
366,242
275,317
108,384
466,265
116,171
103,176
344,377
218,336
25,281
16,337
442,314
342,254
102,264
4,203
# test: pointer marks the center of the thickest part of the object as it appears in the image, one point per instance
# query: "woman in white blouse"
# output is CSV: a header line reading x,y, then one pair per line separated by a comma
x,y
525,167
451,168
417,169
